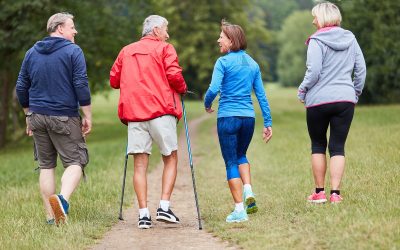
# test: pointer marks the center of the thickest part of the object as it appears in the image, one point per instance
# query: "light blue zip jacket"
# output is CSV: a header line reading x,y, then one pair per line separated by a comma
x,y
336,68
235,76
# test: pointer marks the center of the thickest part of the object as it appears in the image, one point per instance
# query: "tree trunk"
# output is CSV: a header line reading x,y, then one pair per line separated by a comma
x,y
4,105
15,109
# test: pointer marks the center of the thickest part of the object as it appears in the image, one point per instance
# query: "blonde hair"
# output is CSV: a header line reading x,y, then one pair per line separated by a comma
x,y
56,20
327,14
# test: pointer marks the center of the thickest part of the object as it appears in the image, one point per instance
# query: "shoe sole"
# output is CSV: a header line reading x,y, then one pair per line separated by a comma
x,y
318,201
166,220
252,210
248,202
144,226
59,215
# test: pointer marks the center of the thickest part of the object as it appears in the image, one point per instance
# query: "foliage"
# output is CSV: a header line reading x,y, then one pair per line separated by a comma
x,y
103,28
291,60
379,43
195,28
102,33
276,11
16,30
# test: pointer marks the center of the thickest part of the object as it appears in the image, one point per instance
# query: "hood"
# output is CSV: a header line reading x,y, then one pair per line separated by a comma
x,y
334,37
50,44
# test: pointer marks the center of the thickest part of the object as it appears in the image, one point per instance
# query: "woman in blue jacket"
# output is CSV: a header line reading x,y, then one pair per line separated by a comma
x,y
235,76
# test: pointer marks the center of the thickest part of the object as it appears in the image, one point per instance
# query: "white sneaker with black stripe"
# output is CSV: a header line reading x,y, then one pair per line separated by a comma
x,y
144,223
166,216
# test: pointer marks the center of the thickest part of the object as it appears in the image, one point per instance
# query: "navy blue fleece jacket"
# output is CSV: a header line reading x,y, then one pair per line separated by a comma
x,y
53,78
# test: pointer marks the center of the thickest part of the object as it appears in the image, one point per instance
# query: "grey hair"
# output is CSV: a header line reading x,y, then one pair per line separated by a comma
x,y
151,22
57,19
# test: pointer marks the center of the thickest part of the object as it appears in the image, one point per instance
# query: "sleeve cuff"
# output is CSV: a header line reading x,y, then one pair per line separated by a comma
x,y
84,102
301,95
267,124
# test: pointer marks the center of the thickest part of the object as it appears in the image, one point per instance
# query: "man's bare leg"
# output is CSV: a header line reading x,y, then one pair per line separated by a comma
x,y
169,175
47,186
70,180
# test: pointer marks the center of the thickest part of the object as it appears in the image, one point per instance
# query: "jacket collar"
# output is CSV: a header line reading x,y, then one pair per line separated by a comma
x,y
328,28
149,37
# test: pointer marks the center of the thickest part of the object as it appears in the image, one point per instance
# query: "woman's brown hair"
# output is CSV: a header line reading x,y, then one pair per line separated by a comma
x,y
235,33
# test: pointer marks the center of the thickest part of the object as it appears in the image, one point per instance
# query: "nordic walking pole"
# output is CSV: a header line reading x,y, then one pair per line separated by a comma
x,y
123,184
191,162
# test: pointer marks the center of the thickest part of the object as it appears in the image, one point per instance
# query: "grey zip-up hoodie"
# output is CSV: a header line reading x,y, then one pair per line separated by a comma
x,y
336,68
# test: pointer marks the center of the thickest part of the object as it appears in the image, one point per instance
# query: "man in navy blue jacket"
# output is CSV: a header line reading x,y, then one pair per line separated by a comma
x,y
52,84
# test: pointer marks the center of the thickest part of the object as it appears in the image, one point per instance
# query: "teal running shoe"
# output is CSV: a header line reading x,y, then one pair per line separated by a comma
x,y
237,217
249,202
50,222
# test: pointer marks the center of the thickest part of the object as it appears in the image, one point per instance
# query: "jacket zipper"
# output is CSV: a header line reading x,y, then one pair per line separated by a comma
x,y
173,97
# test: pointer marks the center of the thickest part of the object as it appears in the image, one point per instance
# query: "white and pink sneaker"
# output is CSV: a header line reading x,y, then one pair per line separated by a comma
x,y
317,197
335,198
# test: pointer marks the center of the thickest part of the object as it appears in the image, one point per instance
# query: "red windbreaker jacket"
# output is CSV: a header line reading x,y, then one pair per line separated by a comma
x,y
150,80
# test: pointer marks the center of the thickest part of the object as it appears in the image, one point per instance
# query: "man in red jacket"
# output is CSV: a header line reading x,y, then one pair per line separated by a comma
x,y
150,80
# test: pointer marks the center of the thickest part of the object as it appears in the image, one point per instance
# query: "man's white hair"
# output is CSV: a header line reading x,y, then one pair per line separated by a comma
x,y
151,22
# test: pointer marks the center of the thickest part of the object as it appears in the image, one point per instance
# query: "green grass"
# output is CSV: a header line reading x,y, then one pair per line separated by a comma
x,y
369,218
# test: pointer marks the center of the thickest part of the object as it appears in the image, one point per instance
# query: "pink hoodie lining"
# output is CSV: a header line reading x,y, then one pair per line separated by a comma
x,y
319,31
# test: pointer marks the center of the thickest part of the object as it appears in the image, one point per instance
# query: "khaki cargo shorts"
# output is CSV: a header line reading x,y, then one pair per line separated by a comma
x,y
161,130
58,134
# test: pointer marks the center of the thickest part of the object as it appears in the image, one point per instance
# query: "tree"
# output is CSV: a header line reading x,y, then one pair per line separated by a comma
x,y
195,28
275,12
16,30
103,28
292,56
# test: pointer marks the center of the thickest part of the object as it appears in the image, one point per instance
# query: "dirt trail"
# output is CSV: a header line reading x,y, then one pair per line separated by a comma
x,y
126,235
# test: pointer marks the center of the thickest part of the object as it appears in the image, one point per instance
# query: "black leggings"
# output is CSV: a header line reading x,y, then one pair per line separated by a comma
x,y
338,116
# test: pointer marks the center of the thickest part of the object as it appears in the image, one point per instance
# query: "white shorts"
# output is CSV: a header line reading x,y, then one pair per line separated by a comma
x,y
162,130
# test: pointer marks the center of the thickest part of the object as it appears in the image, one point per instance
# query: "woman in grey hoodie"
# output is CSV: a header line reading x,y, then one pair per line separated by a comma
x,y
333,82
